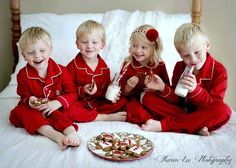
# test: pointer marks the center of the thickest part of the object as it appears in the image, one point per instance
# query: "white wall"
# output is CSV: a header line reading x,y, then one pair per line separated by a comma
x,y
219,20
218,17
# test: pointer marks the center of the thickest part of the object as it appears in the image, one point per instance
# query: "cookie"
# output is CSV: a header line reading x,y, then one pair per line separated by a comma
x,y
141,78
136,151
38,102
106,137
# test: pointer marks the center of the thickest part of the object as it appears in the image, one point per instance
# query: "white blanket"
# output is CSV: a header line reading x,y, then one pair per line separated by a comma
x,y
18,149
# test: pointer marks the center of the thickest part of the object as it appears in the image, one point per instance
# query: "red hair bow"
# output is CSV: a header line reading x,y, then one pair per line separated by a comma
x,y
152,34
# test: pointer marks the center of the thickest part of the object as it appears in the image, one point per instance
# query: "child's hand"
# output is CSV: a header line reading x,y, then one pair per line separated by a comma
x,y
90,90
131,83
154,83
117,97
35,102
49,107
189,82
31,100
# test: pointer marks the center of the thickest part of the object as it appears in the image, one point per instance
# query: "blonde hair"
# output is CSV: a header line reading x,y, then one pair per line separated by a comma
x,y
32,35
91,26
187,33
141,33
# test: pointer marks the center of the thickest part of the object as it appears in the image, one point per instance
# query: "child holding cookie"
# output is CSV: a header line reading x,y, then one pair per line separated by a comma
x,y
140,69
46,90
91,76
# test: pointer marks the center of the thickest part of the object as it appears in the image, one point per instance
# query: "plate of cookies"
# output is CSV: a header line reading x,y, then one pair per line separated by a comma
x,y
120,146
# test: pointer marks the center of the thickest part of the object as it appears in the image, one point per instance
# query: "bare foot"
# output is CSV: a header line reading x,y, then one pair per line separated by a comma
x,y
204,132
152,125
50,132
71,140
61,143
118,116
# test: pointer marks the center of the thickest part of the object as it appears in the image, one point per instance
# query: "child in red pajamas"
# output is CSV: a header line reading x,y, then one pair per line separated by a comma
x,y
43,78
141,67
91,76
203,109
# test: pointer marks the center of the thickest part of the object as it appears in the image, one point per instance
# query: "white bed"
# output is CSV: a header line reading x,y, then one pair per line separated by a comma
x,y
21,150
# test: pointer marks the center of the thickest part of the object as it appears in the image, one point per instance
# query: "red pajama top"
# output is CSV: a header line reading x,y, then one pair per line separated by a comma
x,y
136,69
82,74
57,85
211,83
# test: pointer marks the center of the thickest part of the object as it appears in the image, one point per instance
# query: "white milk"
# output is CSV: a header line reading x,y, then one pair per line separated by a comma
x,y
112,92
180,90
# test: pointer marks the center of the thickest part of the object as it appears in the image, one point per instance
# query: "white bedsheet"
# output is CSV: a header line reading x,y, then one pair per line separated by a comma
x,y
18,149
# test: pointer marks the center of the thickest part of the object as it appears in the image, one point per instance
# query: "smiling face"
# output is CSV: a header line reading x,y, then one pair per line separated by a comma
x,y
90,45
90,39
194,54
37,54
141,50
36,47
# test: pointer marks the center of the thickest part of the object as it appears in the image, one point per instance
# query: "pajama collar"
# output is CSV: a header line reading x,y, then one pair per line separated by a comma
x,y
135,64
81,64
207,70
53,71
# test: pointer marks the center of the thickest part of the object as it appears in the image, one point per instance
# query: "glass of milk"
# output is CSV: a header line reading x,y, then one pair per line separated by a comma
x,y
180,90
112,92
113,89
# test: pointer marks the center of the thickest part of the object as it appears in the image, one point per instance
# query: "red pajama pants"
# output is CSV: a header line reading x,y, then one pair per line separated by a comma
x,y
32,119
136,113
175,119
85,111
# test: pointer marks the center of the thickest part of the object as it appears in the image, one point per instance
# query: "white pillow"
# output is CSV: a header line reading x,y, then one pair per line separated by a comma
x,y
62,29
118,25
